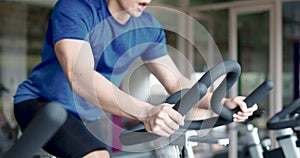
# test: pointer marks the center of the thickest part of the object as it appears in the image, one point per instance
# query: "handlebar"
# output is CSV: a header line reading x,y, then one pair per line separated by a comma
x,y
137,134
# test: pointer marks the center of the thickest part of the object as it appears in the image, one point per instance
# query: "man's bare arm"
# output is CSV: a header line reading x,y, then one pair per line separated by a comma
x,y
76,59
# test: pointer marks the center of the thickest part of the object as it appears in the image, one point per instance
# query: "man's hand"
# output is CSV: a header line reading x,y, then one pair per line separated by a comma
x,y
163,120
244,113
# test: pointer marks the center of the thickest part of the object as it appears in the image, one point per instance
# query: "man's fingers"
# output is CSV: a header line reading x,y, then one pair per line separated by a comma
x,y
239,118
165,122
178,118
173,114
161,128
244,112
169,122
253,108
159,131
240,102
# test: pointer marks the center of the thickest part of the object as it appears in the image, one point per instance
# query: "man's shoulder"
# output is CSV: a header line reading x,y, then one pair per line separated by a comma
x,y
78,8
75,4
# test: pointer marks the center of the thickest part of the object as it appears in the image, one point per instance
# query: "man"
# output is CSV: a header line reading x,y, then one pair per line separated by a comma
x,y
88,48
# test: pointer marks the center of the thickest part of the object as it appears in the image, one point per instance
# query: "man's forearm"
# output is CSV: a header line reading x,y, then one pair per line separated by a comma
x,y
102,93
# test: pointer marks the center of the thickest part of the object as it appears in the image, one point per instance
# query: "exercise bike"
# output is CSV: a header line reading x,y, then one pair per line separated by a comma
x,y
284,123
185,99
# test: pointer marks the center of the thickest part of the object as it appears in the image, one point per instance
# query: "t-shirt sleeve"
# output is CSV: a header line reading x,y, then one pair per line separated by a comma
x,y
158,47
69,20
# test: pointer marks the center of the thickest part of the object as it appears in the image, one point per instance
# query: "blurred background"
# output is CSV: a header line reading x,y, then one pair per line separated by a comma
x,y
262,35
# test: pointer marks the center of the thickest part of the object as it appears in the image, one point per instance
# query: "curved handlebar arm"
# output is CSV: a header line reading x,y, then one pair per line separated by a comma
x,y
137,133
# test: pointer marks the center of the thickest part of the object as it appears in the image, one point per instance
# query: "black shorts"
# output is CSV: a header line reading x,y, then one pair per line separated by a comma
x,y
72,140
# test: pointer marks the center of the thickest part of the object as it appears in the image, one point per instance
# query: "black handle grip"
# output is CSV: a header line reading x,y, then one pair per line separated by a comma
x,y
259,93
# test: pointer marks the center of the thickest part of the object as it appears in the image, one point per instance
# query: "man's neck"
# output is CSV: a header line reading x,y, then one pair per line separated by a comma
x,y
116,11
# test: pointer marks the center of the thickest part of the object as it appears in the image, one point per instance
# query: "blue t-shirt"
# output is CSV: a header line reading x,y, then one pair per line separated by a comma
x,y
115,47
